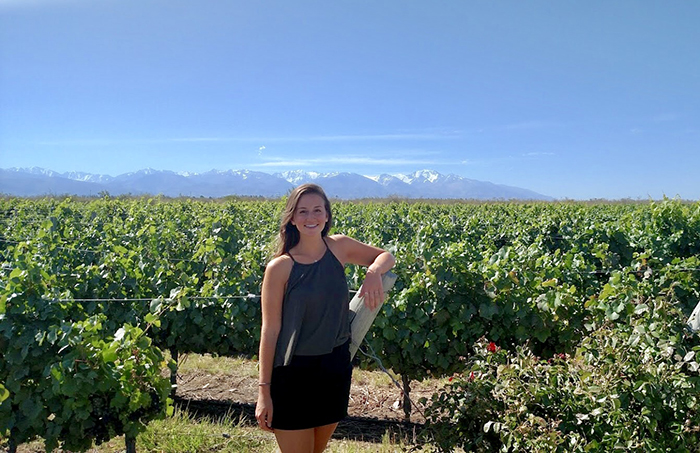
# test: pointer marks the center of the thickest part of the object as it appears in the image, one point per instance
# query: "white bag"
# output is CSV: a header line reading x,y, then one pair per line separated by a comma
x,y
694,320
361,317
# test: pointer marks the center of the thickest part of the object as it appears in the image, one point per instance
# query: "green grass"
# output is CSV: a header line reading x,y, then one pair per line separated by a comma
x,y
372,378
242,367
184,433
227,366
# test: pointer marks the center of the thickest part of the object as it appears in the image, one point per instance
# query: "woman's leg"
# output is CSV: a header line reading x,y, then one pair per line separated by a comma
x,y
304,440
295,441
322,434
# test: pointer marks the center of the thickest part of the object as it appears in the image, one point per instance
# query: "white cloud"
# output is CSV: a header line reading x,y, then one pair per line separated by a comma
x,y
31,3
292,139
347,160
505,159
80,142
198,139
534,124
428,136
331,138
665,117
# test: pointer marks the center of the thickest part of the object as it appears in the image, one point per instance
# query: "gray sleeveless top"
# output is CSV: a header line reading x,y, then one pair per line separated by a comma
x,y
314,310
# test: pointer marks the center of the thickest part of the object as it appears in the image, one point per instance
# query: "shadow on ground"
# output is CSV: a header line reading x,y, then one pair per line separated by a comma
x,y
363,429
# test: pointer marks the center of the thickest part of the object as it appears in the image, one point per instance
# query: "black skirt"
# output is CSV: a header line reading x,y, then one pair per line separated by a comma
x,y
312,390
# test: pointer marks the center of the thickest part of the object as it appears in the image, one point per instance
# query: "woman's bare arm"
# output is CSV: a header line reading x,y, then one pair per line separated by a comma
x,y
378,262
276,275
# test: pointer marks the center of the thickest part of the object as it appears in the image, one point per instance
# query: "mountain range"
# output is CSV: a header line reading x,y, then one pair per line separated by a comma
x,y
29,182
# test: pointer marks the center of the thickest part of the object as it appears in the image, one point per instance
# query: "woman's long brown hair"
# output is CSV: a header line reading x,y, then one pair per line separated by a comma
x,y
289,235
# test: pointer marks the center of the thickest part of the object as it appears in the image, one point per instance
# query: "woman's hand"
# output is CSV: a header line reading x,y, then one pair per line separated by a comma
x,y
378,262
372,289
263,411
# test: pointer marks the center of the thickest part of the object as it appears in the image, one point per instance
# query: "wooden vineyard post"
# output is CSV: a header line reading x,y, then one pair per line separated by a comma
x,y
406,397
12,445
173,372
130,444
361,317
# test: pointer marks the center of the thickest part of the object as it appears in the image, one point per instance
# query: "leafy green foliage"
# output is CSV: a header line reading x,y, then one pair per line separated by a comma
x,y
64,376
632,385
539,279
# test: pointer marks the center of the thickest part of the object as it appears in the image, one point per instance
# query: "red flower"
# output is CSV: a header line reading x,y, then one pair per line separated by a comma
x,y
450,379
492,347
471,376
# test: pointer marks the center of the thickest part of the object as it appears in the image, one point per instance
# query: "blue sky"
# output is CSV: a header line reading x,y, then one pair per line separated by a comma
x,y
572,99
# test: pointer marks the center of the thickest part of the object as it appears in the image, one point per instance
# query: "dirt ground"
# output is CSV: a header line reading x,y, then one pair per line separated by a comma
x,y
375,402
375,408
367,399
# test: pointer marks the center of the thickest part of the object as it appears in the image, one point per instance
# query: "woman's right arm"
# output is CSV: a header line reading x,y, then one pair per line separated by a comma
x,y
276,275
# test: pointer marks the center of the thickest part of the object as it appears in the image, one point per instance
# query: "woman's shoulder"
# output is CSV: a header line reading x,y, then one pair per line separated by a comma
x,y
339,244
337,241
279,267
343,241
337,238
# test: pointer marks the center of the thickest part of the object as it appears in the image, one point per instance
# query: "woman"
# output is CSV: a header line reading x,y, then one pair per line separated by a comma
x,y
305,365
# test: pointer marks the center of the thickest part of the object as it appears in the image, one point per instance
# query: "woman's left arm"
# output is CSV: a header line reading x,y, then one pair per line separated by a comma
x,y
378,262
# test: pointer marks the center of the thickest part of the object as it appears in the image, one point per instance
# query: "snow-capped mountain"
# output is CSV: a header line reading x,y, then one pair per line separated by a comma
x,y
395,184
38,171
298,177
217,183
421,177
88,177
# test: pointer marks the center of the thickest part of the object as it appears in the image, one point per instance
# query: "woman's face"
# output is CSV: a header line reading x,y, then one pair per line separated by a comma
x,y
310,214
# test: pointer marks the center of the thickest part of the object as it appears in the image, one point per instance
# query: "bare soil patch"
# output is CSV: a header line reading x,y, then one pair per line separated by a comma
x,y
216,387
375,401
